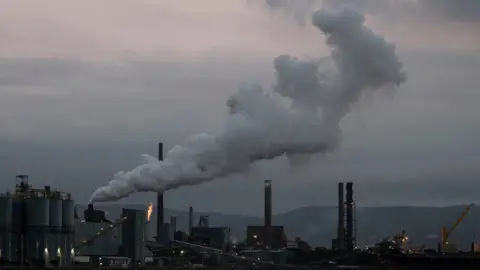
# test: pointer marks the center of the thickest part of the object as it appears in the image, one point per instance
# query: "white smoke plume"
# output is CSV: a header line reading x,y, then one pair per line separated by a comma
x,y
260,126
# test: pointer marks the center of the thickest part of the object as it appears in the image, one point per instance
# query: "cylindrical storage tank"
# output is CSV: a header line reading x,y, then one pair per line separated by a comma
x,y
16,248
18,229
54,241
18,211
37,230
68,228
5,228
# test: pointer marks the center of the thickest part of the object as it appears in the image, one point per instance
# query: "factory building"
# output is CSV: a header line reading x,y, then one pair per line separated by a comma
x,y
268,236
36,226
97,237
256,237
215,237
133,235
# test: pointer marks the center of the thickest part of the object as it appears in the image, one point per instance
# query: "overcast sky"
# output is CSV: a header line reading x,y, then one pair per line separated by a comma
x,y
87,87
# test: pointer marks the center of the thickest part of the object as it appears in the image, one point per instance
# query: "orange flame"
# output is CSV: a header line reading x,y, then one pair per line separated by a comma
x,y
149,211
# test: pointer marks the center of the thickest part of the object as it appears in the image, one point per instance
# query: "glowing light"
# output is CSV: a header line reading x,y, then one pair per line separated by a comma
x,y
45,253
149,211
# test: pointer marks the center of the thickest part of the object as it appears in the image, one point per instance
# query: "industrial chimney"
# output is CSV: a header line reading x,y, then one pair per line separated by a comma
x,y
268,211
341,218
190,220
350,237
160,210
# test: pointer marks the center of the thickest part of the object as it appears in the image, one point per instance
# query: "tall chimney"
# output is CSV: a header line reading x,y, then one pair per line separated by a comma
x,y
160,210
190,220
268,211
341,218
350,238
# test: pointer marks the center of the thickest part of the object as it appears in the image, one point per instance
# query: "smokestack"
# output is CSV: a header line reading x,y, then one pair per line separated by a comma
x,y
350,237
268,211
341,218
160,210
173,223
190,220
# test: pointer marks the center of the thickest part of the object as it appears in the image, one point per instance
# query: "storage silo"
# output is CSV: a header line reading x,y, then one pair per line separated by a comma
x,y
54,242
37,230
68,229
5,227
18,229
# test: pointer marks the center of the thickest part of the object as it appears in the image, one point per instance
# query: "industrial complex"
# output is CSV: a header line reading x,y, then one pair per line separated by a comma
x,y
42,228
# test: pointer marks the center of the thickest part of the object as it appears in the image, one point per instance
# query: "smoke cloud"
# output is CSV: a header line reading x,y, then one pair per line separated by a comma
x,y
261,125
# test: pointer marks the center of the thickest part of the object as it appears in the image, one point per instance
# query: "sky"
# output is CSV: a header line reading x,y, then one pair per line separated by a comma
x,y
86,87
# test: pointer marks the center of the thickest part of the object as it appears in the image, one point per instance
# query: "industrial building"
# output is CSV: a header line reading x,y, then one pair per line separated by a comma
x,y
40,227
266,236
99,238
256,237
36,226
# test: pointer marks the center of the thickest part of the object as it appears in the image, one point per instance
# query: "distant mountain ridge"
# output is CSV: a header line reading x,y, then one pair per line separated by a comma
x,y
317,224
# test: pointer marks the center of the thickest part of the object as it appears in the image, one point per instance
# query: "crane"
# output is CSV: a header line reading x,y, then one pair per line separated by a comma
x,y
446,233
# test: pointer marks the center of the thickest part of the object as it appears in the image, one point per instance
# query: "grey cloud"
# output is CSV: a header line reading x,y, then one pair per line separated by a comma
x,y
455,10
56,97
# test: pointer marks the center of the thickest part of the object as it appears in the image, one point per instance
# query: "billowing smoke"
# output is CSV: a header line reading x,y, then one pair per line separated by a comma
x,y
261,126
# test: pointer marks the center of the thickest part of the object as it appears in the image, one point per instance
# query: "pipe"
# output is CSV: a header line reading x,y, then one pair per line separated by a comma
x,y
350,238
160,210
268,211
341,218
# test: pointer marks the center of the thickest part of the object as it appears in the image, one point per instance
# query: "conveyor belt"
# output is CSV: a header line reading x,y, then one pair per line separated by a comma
x,y
100,233
237,257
